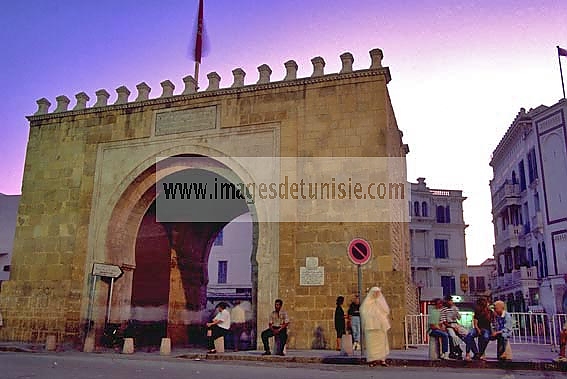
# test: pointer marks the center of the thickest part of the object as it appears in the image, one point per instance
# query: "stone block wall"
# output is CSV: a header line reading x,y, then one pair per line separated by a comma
x,y
80,163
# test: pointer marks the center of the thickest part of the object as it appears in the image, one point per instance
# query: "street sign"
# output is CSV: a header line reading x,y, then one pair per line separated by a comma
x,y
107,270
359,251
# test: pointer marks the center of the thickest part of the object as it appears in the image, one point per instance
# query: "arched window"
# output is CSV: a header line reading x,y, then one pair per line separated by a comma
x,y
447,214
416,208
440,214
424,210
514,178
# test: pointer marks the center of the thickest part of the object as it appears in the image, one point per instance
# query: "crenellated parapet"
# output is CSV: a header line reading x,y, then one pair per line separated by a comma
x,y
214,84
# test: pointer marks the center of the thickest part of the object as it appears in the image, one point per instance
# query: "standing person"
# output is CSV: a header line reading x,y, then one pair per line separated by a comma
x,y
481,329
340,326
502,329
218,327
354,317
562,343
238,319
375,314
437,327
456,331
279,322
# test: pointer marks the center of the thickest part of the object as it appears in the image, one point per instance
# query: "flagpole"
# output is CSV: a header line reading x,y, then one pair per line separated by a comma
x,y
199,42
197,66
561,71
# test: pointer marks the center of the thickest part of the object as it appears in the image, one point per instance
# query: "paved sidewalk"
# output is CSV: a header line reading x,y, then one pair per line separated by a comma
x,y
525,357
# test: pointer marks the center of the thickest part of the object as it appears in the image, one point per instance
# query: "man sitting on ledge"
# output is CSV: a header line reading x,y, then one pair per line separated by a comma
x,y
502,329
277,328
218,327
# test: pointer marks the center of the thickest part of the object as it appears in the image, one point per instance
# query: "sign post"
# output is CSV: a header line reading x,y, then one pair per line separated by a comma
x,y
108,271
359,252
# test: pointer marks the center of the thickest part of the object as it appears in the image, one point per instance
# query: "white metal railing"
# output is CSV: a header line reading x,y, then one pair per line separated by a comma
x,y
527,328
415,330
531,328
557,324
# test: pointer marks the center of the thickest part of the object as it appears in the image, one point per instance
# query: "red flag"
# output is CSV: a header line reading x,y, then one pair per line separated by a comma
x,y
199,37
561,52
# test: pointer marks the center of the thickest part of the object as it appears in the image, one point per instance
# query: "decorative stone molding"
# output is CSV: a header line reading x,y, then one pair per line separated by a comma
x,y
123,94
265,72
62,103
190,85
290,70
42,106
167,88
102,97
214,81
82,100
239,75
318,67
376,55
347,59
143,91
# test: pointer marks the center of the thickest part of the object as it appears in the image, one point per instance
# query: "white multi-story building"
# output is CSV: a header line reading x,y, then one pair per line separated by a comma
x,y
230,267
529,208
437,229
8,217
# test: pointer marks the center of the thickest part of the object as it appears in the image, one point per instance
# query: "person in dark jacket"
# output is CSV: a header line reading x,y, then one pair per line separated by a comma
x,y
482,329
354,318
340,325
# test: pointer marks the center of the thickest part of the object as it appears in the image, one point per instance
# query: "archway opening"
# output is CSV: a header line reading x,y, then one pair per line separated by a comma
x,y
171,295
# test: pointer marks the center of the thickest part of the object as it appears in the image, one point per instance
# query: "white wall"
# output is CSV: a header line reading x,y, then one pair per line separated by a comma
x,y
237,250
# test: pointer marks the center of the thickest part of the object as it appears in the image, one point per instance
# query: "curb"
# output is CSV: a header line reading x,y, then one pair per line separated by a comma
x,y
353,361
14,349
507,365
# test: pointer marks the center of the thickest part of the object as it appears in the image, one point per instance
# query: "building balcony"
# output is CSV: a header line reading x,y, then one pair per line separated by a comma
x,y
422,262
421,222
525,273
513,236
518,278
507,194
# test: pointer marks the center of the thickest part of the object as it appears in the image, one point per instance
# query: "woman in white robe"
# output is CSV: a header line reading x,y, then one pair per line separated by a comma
x,y
375,314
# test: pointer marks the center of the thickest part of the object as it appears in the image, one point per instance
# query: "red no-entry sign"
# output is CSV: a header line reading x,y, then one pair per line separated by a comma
x,y
359,251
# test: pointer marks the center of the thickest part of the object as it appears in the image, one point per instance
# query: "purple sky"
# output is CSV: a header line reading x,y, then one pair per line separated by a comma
x,y
461,70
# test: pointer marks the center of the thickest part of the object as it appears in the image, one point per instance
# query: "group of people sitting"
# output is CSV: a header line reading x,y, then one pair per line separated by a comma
x,y
488,325
372,318
221,325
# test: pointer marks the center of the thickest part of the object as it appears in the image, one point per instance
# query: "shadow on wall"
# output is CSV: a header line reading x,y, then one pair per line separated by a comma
x,y
319,340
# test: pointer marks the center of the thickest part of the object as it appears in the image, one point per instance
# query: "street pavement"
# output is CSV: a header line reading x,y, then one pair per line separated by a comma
x,y
74,365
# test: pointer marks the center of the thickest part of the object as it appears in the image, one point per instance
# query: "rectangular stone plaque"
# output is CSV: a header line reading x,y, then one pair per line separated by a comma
x,y
187,120
311,277
549,123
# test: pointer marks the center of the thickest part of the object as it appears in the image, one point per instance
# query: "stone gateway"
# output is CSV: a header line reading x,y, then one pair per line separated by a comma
x,y
89,196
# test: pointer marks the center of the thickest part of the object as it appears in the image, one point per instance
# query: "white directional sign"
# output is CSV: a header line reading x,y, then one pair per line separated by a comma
x,y
107,270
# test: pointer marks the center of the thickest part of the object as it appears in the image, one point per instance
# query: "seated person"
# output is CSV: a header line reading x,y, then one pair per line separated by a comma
x,y
481,329
502,329
219,327
562,343
437,328
277,327
456,331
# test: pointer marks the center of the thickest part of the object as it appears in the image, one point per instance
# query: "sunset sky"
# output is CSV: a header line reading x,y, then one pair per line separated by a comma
x,y
460,70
